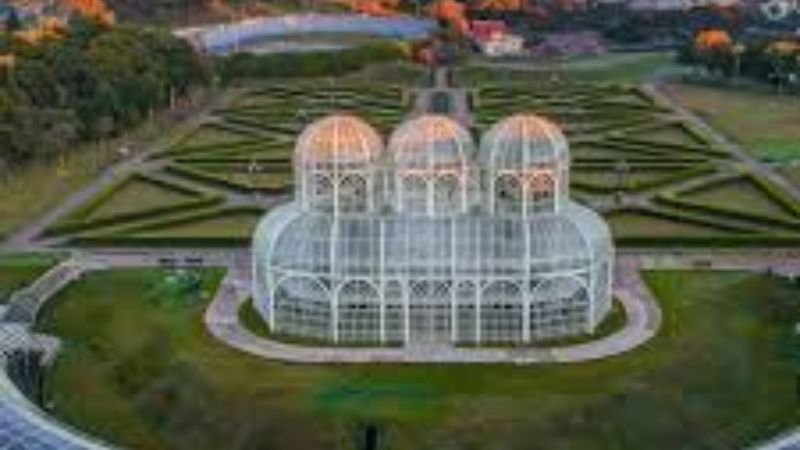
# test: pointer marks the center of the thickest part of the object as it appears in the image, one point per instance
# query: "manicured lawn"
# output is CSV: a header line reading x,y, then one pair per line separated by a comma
x,y
241,176
227,224
135,195
741,195
630,68
792,173
139,368
608,179
765,124
19,270
635,224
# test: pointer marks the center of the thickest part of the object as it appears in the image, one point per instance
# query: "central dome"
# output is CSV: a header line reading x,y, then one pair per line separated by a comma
x,y
340,140
430,143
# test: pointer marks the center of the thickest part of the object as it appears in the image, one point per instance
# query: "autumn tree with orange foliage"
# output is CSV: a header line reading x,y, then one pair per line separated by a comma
x,y
48,28
502,5
714,49
95,10
710,40
375,8
452,13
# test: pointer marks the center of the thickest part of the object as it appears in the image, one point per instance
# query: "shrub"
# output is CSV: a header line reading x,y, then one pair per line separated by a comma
x,y
311,64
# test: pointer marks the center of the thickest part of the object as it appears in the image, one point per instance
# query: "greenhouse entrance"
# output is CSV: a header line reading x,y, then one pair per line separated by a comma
x,y
430,317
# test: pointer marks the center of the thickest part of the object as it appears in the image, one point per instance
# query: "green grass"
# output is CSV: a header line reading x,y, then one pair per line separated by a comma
x,y
207,135
138,368
765,124
226,224
603,68
792,173
607,178
635,224
19,270
396,72
742,195
30,191
239,175
135,195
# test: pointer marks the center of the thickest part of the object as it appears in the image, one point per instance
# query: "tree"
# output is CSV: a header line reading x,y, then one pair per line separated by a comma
x,y
12,21
88,82
783,59
714,49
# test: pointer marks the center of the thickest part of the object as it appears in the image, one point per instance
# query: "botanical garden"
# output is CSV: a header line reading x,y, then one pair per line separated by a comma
x,y
144,301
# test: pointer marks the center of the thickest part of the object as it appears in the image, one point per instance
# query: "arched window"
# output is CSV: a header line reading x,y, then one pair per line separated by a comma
x,y
302,307
501,312
359,312
540,186
430,311
448,193
354,194
466,316
507,194
414,193
559,307
394,312
319,191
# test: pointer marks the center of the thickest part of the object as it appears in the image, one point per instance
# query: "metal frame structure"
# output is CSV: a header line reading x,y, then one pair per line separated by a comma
x,y
432,239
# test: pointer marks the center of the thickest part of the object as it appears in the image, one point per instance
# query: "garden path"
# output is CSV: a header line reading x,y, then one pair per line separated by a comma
x,y
723,141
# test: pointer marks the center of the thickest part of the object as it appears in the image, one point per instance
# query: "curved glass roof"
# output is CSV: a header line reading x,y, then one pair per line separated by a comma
x,y
523,140
429,143
467,244
338,140
23,427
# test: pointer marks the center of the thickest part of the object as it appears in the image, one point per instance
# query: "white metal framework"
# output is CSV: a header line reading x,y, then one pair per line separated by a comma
x,y
432,240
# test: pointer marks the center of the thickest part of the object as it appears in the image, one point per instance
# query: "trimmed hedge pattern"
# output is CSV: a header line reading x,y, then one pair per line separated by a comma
x,y
244,148
617,133
624,142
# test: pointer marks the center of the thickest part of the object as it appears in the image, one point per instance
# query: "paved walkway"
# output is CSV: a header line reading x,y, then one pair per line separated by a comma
x,y
459,98
25,304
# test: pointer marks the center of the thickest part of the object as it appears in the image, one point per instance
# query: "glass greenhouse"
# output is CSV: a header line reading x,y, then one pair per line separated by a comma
x,y
431,239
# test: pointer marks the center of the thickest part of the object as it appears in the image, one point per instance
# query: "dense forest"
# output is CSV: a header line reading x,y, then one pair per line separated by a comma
x,y
88,82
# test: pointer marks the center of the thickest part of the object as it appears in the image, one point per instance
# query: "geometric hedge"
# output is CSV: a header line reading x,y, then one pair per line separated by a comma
x,y
657,180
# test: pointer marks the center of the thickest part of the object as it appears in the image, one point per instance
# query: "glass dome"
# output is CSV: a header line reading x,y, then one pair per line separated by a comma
x,y
430,161
526,161
523,140
430,142
337,165
340,140
422,264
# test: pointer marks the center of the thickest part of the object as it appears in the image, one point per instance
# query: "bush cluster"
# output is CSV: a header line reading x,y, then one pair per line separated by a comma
x,y
90,82
310,64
